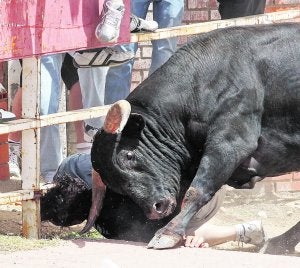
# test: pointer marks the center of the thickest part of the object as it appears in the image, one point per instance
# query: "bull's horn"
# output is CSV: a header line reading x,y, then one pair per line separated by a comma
x,y
98,193
117,117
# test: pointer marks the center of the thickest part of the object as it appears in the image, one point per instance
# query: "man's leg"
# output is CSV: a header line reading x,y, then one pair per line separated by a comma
x,y
167,13
51,153
239,8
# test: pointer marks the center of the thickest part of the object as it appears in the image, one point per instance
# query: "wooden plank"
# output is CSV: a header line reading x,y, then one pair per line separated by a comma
x,y
36,27
31,147
52,119
16,196
204,27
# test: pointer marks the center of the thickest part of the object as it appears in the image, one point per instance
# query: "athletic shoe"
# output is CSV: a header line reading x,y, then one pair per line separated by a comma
x,y
6,116
89,133
105,57
83,148
14,159
109,28
137,24
251,232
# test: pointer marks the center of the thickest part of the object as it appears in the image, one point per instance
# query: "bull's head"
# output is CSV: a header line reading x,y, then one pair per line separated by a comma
x,y
134,159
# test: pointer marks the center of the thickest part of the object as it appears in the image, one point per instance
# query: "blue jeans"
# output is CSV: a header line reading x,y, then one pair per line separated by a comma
x,y
51,152
102,86
167,13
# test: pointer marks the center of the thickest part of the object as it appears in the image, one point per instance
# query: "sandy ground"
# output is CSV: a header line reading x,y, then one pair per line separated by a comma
x,y
278,213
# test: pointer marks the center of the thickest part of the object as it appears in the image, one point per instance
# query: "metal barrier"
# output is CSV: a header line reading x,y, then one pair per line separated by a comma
x,y
32,122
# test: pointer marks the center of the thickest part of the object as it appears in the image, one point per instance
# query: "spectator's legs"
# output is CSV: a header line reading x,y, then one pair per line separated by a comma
x,y
167,13
92,82
240,8
118,80
51,153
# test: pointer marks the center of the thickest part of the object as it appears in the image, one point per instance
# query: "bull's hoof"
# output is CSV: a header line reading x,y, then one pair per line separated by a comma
x,y
163,241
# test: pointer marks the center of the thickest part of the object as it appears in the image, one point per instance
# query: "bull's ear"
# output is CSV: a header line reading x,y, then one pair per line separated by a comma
x,y
134,126
117,117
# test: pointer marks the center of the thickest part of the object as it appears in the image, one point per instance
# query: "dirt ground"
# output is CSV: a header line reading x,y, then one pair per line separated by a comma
x,y
278,213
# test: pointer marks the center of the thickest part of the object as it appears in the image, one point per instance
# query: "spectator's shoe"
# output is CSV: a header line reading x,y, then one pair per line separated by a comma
x,y
109,28
83,148
6,116
89,133
14,159
101,57
137,24
251,232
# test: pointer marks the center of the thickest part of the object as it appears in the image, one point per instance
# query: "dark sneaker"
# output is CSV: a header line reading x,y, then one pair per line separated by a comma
x,y
103,57
89,133
137,24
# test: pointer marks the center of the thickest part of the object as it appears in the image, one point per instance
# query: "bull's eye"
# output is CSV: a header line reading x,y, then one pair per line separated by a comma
x,y
129,155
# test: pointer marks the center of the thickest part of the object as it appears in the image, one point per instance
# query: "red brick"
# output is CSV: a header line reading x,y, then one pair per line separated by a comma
x,y
285,177
286,2
142,64
287,186
3,153
199,16
4,171
215,15
147,52
3,138
296,176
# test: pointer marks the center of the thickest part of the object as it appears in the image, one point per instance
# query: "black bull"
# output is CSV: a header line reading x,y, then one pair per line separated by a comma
x,y
225,109
225,100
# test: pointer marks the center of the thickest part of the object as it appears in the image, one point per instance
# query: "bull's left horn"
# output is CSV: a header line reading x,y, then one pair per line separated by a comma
x,y
117,117
98,193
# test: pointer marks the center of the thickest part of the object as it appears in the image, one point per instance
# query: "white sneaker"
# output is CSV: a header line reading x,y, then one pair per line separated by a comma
x,y
109,28
251,232
137,24
6,116
105,57
14,159
83,148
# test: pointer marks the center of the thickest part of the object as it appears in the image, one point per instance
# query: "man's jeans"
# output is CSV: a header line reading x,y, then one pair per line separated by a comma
x,y
167,13
51,152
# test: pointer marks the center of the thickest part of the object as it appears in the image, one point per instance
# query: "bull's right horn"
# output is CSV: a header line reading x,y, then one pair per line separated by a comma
x,y
117,117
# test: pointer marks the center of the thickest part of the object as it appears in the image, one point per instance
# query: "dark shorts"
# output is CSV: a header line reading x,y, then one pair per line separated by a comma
x,y
229,9
69,72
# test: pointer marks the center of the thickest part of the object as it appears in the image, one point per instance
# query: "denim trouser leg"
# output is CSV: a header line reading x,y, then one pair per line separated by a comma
x,y
51,153
118,80
167,13
92,83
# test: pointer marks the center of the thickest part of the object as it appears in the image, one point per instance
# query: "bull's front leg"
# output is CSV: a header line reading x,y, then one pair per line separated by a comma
x,y
224,151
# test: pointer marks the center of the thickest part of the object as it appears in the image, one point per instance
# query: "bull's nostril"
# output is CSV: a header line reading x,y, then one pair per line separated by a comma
x,y
158,207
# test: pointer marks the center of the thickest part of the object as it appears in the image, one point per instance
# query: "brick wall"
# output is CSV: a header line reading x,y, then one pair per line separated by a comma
x,y
199,11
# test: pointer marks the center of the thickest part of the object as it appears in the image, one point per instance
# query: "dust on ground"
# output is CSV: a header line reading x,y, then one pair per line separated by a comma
x,y
278,213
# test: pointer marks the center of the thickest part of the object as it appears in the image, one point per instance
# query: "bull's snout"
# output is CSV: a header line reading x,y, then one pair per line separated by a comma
x,y
162,208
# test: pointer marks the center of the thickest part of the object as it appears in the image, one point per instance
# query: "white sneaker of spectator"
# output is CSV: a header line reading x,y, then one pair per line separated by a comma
x,y
251,232
108,29
137,24
105,57
14,159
